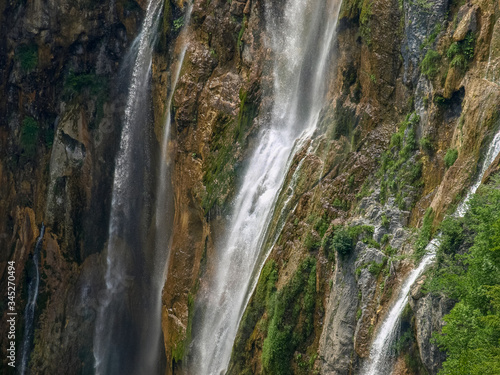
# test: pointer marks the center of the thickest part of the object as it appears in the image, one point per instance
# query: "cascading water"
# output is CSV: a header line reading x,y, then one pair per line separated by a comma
x,y
123,341
301,38
381,356
164,204
29,312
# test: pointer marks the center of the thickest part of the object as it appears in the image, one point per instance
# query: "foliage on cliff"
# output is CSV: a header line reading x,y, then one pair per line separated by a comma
x,y
468,270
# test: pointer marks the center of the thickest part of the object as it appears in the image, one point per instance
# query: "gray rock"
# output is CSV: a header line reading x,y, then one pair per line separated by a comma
x,y
429,311
421,18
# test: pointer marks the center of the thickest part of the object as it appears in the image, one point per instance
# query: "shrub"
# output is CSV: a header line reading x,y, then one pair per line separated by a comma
x,y
426,145
312,242
450,157
343,242
178,23
385,221
29,136
429,64
425,232
293,304
27,55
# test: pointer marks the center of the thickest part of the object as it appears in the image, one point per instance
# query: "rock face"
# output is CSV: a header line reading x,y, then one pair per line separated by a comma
x,y
429,311
60,120
411,81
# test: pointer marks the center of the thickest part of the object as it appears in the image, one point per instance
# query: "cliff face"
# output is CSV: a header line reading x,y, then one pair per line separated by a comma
x,y
412,102
61,105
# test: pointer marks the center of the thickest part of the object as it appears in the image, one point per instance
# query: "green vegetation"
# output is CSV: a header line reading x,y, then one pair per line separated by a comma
x,y
385,221
343,240
468,271
291,320
398,172
29,136
312,242
179,350
425,233
432,37
27,55
220,168
264,296
219,174
178,23
239,43
374,268
460,53
430,63
76,83
450,157
426,145
364,20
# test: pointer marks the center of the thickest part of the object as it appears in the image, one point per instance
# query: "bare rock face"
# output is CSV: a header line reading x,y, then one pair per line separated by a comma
x,y
429,311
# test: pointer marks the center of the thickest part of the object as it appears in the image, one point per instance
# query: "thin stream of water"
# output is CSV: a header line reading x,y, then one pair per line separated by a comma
x,y
381,356
301,36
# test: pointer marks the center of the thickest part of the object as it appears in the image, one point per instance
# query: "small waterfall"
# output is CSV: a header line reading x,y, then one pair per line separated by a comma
x,y
164,205
29,311
124,315
302,37
381,355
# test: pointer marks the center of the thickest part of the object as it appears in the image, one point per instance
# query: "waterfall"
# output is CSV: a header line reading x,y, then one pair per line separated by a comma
x,y
122,342
29,311
301,37
164,205
380,360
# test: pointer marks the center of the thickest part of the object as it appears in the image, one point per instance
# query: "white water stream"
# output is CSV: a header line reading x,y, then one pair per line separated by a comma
x,y
301,36
381,356
114,349
29,311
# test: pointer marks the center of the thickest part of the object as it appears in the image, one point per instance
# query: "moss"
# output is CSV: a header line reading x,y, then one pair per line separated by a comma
x,y
179,350
219,171
399,171
462,52
260,301
430,63
312,242
364,21
27,55
426,145
450,157
221,164
239,43
385,221
425,233
246,115
291,320
345,121
29,136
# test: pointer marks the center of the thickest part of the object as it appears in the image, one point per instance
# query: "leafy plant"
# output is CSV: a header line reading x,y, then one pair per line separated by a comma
x,y
450,157
178,23
29,136
27,55
429,64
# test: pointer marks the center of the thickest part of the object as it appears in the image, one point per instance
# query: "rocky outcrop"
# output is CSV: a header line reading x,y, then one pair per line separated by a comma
x,y
428,311
61,105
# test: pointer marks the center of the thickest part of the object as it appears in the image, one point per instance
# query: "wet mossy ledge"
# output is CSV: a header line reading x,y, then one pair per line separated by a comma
x,y
228,142
283,320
